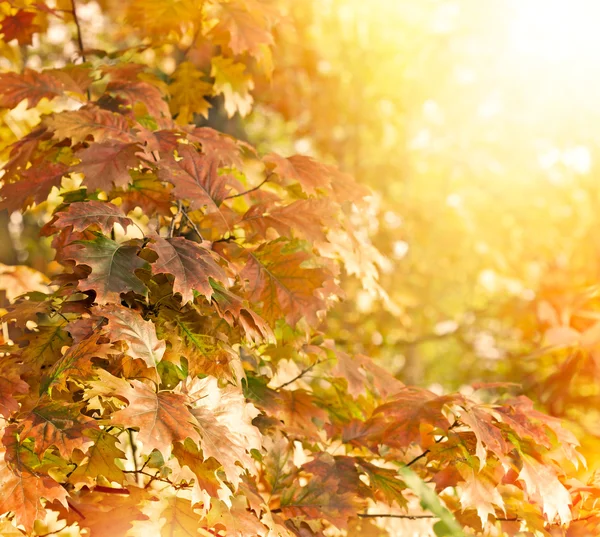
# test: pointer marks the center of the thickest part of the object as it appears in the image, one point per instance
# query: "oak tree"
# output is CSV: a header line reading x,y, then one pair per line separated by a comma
x,y
172,376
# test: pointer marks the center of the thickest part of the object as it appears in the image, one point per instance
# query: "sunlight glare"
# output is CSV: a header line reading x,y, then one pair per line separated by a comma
x,y
556,31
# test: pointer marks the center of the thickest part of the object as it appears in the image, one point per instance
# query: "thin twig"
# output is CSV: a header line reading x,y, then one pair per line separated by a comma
x,y
193,225
300,375
79,37
252,189
391,515
174,220
417,458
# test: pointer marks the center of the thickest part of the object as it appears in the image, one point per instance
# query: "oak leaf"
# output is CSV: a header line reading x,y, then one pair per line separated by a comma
x,y
22,488
243,28
31,85
83,214
195,178
139,335
58,424
481,493
542,483
99,460
33,187
106,165
162,418
284,288
101,125
190,264
180,518
225,425
141,92
113,267
188,93
76,363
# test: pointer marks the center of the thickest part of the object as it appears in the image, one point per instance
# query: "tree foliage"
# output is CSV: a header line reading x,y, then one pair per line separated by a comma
x,y
172,377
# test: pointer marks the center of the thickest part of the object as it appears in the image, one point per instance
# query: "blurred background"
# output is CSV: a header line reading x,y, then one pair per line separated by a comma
x,y
475,125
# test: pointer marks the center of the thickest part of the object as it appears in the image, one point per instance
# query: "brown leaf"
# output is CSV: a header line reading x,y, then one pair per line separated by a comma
x,y
95,122
58,424
113,267
19,26
162,418
410,409
83,214
284,288
190,264
31,85
23,489
106,165
232,308
76,363
195,178
127,325
225,424
141,92
33,187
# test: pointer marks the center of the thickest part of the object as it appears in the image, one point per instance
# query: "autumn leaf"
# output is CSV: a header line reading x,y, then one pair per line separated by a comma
x,y
83,214
162,418
58,424
19,26
243,29
480,492
541,482
238,521
106,165
113,267
141,92
11,386
147,193
99,460
31,85
489,436
311,175
138,335
188,93
207,484
33,187
101,125
180,518
233,83
76,363
190,264
302,218
195,178
232,308
281,285
225,425
225,150
22,488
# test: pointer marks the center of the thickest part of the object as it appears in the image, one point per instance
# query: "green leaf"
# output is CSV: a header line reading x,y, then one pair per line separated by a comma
x,y
447,525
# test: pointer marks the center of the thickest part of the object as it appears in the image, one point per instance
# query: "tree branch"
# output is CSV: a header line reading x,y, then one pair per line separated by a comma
x,y
79,37
192,225
300,375
252,189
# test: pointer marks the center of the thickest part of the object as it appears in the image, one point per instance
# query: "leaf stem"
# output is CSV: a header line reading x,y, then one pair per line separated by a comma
x,y
252,189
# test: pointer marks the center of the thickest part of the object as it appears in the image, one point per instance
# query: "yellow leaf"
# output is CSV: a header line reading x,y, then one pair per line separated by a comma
x,y
233,83
188,92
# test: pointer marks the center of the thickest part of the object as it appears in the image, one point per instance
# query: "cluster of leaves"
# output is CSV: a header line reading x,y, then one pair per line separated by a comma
x,y
172,374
